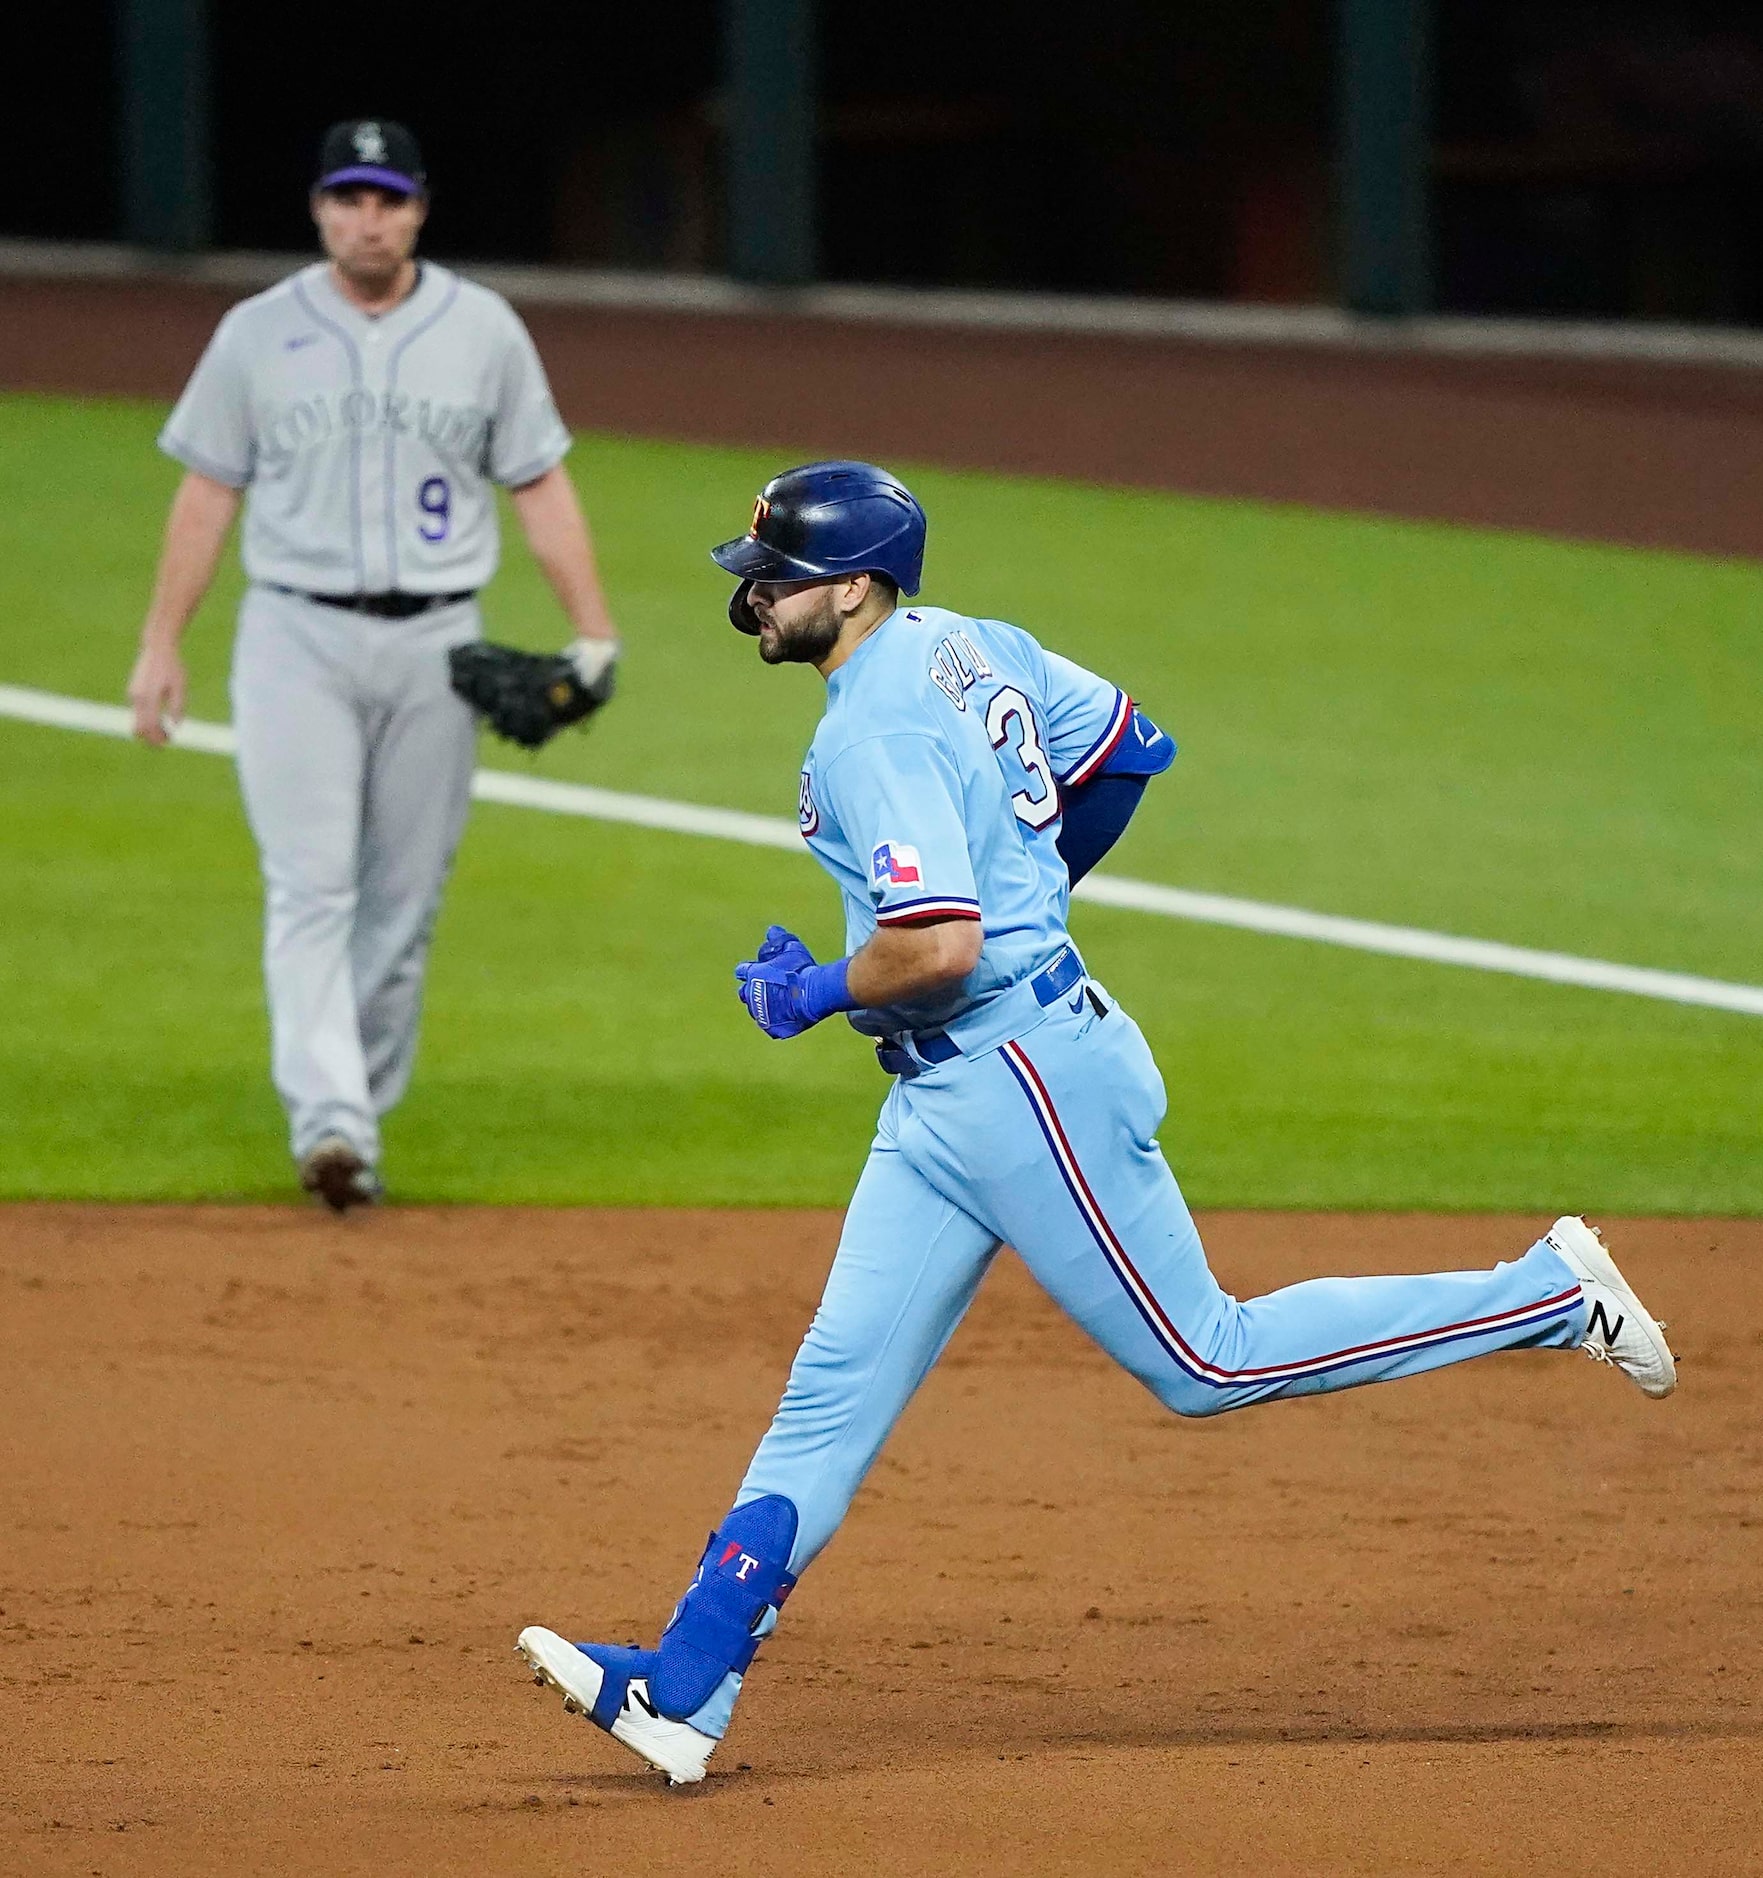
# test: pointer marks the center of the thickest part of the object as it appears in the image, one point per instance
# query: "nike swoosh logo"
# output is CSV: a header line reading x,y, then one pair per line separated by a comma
x,y
299,340
1076,1004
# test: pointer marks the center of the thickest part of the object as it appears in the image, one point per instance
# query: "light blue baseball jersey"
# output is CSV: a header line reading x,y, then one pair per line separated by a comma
x,y
932,791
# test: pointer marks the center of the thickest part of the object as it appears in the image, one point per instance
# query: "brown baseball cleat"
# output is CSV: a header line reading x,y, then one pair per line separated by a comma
x,y
337,1174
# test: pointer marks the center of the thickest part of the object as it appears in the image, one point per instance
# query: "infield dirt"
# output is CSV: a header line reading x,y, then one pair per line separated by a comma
x,y
278,1491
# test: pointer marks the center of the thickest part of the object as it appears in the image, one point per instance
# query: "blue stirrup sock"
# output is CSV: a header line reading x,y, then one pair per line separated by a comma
x,y
743,1574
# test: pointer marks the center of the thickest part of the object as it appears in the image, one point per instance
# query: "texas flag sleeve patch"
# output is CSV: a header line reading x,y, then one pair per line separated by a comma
x,y
896,883
895,864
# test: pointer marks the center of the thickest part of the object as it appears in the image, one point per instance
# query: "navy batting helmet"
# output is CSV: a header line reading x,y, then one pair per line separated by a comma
x,y
823,520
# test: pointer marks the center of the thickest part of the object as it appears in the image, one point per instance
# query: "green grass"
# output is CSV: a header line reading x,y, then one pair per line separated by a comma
x,y
1551,744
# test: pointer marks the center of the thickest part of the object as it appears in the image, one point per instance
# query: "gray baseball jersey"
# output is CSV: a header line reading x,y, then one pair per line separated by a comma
x,y
368,446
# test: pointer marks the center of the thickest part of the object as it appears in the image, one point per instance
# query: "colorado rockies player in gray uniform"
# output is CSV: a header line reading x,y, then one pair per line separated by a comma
x,y
360,411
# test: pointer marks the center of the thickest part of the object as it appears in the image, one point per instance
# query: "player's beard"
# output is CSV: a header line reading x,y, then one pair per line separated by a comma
x,y
805,641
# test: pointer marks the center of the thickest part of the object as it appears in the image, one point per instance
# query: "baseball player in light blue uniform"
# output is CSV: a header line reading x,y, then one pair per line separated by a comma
x,y
363,412
961,777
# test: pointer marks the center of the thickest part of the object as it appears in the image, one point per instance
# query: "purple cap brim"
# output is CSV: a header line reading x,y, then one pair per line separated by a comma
x,y
372,173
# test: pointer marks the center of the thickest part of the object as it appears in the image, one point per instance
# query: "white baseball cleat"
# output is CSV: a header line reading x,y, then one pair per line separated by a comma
x,y
675,1747
1620,1331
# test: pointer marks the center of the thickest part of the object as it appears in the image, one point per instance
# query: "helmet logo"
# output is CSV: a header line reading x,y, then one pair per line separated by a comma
x,y
761,509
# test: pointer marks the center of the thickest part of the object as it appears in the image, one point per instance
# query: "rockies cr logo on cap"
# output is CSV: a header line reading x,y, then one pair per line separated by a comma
x,y
374,150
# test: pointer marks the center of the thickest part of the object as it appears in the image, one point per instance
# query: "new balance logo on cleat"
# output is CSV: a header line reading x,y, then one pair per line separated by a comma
x,y
676,1748
1600,1325
1618,1329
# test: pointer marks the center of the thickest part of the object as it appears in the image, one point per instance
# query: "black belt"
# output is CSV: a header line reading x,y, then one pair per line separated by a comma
x,y
937,1046
383,605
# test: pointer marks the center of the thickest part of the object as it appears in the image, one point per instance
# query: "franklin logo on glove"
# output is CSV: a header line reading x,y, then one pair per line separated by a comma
x,y
785,992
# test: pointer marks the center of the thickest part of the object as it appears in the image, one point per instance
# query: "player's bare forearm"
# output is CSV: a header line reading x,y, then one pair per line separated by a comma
x,y
202,513
550,515
898,964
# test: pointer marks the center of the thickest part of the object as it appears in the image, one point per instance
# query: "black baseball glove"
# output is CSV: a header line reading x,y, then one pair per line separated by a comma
x,y
528,697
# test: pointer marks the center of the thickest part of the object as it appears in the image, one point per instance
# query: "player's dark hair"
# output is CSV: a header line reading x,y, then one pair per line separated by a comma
x,y
889,586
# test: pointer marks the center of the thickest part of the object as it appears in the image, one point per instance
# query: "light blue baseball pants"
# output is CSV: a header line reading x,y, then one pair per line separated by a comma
x,y
1048,1144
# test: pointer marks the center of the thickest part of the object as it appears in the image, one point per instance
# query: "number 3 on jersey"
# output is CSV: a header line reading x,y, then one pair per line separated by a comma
x,y
1009,707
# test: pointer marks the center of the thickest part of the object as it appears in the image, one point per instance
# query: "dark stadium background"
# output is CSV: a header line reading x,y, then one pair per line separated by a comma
x,y
1585,159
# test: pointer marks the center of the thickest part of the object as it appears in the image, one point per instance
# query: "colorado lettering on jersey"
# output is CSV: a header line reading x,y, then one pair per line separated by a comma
x,y
956,666
458,432
807,815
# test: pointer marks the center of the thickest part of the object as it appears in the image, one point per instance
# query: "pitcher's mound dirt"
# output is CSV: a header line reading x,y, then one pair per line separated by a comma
x,y
276,1493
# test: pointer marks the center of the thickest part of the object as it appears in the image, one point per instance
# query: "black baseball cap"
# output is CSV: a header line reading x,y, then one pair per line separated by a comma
x,y
371,150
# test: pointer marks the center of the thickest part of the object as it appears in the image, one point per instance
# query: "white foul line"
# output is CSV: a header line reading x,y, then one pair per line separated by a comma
x,y
1139,896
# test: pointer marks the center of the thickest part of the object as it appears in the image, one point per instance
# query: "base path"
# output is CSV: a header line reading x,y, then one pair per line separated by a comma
x,y
278,1491
1657,453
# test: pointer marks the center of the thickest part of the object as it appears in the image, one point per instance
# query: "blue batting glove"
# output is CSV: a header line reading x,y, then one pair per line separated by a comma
x,y
785,992
781,944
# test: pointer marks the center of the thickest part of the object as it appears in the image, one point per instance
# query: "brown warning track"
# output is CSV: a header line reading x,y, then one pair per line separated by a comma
x,y
1652,454
276,1492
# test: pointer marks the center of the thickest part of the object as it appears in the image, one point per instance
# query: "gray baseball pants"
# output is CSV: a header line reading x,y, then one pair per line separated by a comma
x,y
355,761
